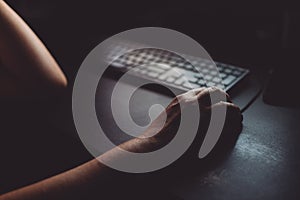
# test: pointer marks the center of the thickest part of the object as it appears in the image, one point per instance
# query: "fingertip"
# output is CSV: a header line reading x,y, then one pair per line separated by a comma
x,y
229,106
213,95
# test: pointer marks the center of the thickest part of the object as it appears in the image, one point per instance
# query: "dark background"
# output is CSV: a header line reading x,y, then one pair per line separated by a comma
x,y
251,34
243,33
248,34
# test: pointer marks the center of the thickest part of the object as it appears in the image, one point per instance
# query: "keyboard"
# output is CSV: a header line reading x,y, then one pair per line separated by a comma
x,y
167,68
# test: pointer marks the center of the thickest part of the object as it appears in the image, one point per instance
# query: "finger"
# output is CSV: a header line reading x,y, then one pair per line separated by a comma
x,y
188,96
198,90
233,112
232,126
212,95
195,91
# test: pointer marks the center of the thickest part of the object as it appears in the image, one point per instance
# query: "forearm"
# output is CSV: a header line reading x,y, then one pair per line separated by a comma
x,y
91,179
68,185
23,54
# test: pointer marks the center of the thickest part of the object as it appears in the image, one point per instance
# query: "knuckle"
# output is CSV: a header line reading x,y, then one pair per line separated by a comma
x,y
217,93
227,95
215,89
236,108
233,108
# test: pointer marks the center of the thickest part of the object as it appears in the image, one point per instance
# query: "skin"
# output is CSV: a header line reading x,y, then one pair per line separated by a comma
x,y
79,182
25,58
27,67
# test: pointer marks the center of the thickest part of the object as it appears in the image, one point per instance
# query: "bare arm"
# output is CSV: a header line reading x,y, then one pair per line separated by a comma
x,y
26,66
89,180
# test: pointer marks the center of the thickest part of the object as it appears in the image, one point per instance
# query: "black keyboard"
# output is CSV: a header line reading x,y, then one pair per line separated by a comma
x,y
170,69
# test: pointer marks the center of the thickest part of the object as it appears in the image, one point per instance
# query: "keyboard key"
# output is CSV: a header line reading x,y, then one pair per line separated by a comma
x,y
175,72
211,67
180,65
188,66
240,69
208,77
213,72
199,75
190,85
217,80
228,80
228,71
143,71
170,80
210,84
202,82
205,71
163,66
187,74
222,75
155,69
163,77
230,67
237,73
202,64
180,81
220,86
153,74
135,69
193,79
173,63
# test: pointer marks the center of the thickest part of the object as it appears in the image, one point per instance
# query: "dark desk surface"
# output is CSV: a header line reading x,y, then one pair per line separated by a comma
x,y
263,165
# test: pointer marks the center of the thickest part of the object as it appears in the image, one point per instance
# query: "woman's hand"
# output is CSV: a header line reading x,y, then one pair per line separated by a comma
x,y
158,134
84,181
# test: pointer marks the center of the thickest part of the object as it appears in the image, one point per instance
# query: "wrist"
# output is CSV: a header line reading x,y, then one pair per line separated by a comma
x,y
141,145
